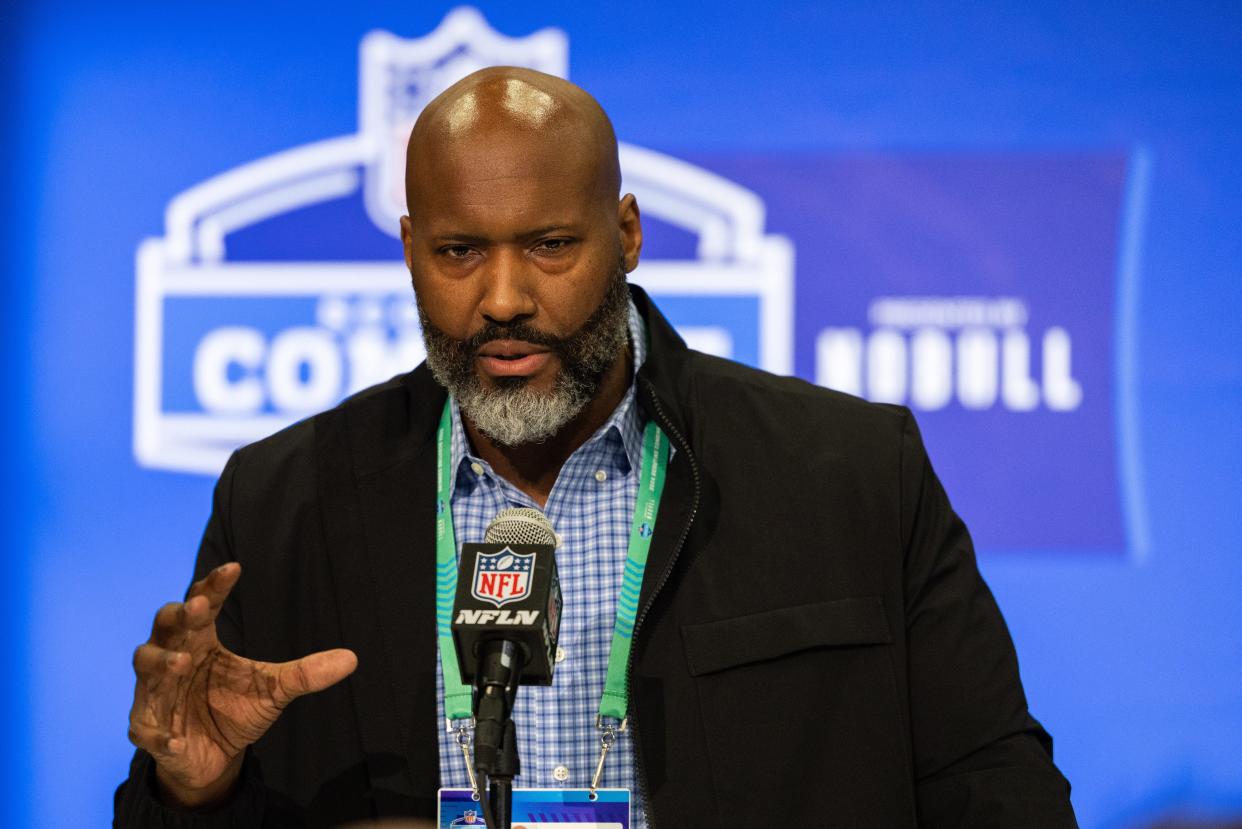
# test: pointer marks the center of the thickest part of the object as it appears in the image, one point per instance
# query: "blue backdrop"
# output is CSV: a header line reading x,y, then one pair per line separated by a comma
x,y
1020,219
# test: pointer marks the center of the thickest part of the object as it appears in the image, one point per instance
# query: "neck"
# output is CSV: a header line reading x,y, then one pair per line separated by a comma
x,y
533,468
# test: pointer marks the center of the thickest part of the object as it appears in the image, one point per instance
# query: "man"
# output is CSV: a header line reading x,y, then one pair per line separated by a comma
x,y
812,637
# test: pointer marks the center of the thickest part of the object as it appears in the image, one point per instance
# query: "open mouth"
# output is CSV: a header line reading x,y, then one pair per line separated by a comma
x,y
512,358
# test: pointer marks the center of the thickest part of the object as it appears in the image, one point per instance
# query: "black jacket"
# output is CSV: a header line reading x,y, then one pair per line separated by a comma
x,y
813,634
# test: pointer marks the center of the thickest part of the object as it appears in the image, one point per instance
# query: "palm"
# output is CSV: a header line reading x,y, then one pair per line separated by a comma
x,y
226,704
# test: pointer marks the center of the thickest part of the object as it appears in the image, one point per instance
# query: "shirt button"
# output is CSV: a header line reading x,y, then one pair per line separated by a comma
x,y
560,654
601,476
476,468
560,774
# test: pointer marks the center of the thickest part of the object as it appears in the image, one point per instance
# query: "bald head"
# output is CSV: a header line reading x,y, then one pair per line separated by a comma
x,y
507,115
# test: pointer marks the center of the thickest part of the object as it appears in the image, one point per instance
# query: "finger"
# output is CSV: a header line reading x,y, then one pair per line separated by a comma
x,y
199,613
158,684
202,603
169,625
177,622
313,673
215,586
151,661
155,740
217,583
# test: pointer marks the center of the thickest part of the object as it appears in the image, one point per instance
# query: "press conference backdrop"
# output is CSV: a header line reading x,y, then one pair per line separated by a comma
x,y
1020,220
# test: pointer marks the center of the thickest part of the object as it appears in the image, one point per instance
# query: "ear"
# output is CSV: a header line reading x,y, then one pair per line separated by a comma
x,y
407,244
630,226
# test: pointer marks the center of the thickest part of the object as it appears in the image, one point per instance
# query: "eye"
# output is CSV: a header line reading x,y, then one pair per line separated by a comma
x,y
456,251
547,247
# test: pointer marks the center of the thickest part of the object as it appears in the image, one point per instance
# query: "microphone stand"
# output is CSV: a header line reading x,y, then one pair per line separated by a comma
x,y
500,781
495,735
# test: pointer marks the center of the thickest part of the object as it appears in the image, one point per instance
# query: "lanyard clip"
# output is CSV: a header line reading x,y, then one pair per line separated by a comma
x,y
463,730
607,739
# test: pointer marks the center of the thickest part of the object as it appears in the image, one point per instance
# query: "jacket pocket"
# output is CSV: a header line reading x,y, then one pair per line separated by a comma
x,y
729,643
803,700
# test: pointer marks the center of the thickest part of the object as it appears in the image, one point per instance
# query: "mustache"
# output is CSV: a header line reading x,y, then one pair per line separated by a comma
x,y
521,331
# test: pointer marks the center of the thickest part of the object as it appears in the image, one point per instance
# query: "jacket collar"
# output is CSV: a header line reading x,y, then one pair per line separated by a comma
x,y
664,391
665,371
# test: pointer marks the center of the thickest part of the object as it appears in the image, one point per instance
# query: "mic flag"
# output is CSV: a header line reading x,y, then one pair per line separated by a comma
x,y
507,589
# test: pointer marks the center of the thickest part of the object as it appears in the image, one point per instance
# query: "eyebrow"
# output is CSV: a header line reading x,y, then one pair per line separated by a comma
x,y
471,238
552,228
445,238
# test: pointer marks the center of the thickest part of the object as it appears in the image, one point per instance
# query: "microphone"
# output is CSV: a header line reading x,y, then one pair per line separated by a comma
x,y
508,591
506,618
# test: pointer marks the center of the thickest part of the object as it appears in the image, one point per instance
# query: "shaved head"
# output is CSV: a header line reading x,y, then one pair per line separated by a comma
x,y
493,108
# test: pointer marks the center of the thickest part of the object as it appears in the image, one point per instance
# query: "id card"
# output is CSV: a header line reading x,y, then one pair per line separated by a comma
x,y
534,808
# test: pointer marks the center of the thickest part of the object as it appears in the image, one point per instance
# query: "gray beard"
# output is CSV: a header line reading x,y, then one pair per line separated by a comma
x,y
512,413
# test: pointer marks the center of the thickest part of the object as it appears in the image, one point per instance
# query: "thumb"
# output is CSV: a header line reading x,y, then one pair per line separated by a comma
x,y
313,673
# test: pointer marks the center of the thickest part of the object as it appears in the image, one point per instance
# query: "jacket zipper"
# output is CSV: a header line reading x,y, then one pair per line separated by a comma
x,y
683,445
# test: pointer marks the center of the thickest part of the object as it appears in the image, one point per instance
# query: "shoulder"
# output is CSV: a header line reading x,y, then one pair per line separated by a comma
x,y
288,454
737,402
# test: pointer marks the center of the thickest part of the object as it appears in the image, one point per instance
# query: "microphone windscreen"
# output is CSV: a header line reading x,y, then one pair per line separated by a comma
x,y
520,525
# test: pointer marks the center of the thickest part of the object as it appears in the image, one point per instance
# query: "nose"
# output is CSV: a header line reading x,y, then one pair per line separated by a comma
x,y
507,297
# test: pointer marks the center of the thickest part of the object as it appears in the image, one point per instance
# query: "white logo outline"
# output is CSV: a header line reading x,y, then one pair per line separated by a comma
x,y
736,256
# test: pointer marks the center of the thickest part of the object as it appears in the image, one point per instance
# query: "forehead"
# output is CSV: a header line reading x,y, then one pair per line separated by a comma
x,y
506,180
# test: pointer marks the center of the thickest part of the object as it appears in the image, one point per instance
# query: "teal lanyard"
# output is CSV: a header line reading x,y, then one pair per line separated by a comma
x,y
458,699
615,701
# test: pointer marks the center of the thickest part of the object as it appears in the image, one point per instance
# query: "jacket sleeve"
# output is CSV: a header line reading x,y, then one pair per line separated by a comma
x,y
136,803
980,759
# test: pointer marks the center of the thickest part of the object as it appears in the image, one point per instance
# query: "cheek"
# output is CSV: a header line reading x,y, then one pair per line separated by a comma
x,y
447,302
573,297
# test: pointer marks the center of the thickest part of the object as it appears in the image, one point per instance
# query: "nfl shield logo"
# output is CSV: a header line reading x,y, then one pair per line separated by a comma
x,y
399,77
503,577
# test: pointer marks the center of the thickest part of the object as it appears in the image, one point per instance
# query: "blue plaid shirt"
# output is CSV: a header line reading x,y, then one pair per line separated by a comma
x,y
591,506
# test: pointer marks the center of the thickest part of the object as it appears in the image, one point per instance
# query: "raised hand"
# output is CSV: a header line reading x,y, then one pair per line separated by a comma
x,y
197,705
